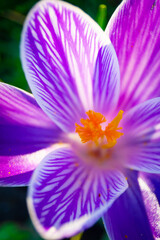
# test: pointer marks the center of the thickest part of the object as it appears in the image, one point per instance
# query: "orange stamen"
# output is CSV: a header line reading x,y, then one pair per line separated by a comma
x,y
92,130
111,132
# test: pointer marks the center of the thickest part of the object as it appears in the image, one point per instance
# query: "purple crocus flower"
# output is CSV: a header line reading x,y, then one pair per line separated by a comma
x,y
100,144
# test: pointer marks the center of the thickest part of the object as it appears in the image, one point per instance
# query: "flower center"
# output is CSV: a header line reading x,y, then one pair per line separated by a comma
x,y
92,131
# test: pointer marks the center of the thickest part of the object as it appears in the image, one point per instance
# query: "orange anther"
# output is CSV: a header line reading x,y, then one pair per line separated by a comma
x,y
92,130
111,131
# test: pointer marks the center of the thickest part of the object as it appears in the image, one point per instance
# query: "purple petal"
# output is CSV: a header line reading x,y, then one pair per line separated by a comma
x,y
152,207
27,134
106,81
22,179
135,33
127,218
66,195
154,183
59,48
142,135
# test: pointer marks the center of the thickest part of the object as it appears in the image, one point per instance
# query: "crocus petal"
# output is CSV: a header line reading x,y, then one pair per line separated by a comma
x,y
27,134
19,180
59,48
152,207
106,81
127,218
154,182
66,195
142,135
135,33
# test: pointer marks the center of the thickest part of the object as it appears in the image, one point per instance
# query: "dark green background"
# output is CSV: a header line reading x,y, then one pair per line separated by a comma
x,y
14,220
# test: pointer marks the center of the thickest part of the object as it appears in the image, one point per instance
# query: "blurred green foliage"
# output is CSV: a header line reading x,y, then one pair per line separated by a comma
x,y
13,231
12,16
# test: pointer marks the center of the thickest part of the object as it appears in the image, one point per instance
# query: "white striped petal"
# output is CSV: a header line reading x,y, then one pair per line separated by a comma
x,y
135,34
59,48
66,195
141,128
106,81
